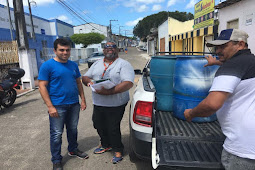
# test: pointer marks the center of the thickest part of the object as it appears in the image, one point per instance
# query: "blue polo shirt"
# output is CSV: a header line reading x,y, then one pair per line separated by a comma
x,y
62,86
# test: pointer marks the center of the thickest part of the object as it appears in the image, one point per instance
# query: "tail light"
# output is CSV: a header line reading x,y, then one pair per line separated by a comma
x,y
15,85
143,113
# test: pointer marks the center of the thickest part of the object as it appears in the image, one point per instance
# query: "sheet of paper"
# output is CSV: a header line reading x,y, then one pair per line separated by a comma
x,y
106,84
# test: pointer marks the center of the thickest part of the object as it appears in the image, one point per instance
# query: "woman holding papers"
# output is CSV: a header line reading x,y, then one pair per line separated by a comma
x,y
109,102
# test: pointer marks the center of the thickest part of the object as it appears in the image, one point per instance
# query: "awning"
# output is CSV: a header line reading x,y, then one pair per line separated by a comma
x,y
195,33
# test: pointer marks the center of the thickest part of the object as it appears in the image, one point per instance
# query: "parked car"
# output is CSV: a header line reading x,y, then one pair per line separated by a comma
x,y
94,57
144,48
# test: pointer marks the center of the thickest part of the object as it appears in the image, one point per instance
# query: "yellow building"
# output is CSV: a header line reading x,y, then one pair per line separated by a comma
x,y
171,27
193,42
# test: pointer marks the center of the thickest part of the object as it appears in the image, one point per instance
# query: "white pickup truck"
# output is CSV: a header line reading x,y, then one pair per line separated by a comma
x,y
167,140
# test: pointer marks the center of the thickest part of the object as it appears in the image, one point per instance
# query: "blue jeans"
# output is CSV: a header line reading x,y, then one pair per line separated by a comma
x,y
68,115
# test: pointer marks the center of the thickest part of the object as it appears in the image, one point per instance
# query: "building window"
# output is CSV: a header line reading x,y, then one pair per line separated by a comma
x,y
234,24
43,31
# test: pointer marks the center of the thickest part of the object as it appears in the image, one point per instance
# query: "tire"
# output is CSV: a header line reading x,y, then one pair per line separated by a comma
x,y
89,65
132,156
9,98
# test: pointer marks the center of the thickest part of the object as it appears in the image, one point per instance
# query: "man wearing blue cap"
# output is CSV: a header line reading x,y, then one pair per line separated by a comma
x,y
232,97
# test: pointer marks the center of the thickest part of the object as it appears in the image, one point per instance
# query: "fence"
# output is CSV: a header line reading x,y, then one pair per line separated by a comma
x,y
9,52
76,54
8,57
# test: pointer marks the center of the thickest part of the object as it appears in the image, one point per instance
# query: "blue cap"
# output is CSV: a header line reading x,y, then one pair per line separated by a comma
x,y
228,35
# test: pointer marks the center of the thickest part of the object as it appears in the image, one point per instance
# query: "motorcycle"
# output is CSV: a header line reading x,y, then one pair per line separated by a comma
x,y
7,92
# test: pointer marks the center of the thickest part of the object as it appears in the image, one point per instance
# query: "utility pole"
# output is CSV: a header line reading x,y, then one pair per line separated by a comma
x,y
111,29
31,20
10,19
119,29
126,32
25,61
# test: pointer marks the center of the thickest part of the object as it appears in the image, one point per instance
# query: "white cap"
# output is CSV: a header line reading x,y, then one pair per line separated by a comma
x,y
228,35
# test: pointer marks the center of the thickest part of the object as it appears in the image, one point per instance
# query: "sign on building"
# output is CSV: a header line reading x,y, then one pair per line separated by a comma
x,y
204,13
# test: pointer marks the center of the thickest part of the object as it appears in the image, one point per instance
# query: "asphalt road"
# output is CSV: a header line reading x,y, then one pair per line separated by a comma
x,y
24,136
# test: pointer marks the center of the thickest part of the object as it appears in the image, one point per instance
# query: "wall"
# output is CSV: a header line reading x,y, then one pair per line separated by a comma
x,y
64,29
91,27
163,33
233,12
198,44
178,27
177,46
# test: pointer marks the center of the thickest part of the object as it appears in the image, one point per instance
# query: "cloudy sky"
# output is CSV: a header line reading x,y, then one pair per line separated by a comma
x,y
126,13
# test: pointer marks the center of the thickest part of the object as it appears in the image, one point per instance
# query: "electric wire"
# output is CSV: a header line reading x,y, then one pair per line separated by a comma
x,y
77,6
71,10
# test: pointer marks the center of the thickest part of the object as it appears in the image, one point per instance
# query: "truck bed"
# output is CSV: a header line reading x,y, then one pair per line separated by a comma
x,y
188,144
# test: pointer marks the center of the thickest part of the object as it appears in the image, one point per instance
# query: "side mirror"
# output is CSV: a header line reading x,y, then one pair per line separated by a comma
x,y
138,71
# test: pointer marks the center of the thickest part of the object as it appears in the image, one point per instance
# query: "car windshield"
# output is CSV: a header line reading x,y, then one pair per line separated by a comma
x,y
97,54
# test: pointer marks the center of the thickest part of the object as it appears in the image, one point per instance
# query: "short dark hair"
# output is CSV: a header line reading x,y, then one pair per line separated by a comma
x,y
62,42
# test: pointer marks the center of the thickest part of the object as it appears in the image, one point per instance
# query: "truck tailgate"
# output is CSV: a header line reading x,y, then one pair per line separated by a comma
x,y
187,144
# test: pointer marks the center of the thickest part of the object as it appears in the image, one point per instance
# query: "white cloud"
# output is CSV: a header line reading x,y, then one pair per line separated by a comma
x,y
62,18
171,3
156,7
3,2
141,8
133,23
37,2
44,2
191,4
150,1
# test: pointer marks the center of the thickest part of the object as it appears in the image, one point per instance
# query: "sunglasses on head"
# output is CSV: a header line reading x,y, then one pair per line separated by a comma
x,y
110,46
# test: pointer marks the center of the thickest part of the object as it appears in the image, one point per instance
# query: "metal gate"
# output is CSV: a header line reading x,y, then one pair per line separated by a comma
x,y
9,52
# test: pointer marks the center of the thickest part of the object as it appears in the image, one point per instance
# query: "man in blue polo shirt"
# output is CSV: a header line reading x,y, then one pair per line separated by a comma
x,y
60,87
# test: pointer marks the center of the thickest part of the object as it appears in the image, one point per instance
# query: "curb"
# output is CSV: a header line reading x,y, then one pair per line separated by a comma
x,y
29,91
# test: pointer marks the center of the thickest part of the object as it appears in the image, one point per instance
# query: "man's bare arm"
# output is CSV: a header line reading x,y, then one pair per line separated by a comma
x,y
208,106
46,97
81,93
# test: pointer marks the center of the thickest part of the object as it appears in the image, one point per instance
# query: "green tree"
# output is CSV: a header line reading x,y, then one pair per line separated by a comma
x,y
142,28
87,39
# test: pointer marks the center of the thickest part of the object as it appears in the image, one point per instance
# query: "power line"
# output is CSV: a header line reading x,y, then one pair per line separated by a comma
x,y
82,11
70,9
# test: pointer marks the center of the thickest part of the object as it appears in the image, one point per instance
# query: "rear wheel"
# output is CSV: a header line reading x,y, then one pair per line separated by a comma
x,y
9,98
90,64
132,155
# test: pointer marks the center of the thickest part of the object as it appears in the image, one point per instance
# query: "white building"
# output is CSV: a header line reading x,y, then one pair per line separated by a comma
x,y
46,32
239,14
88,28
